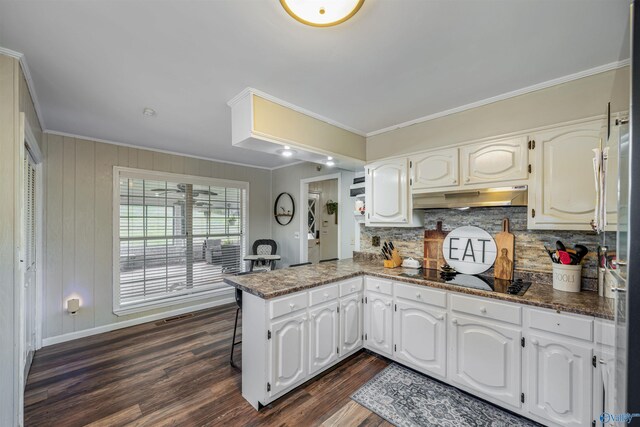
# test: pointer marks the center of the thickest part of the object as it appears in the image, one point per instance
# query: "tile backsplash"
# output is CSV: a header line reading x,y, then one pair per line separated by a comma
x,y
529,251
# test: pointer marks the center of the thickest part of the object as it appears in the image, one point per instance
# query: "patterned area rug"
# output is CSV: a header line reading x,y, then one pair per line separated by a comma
x,y
406,398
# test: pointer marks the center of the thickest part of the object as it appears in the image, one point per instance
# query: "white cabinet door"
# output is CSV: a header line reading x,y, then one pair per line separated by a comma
x,y
559,380
562,190
420,338
604,386
434,169
387,192
486,357
350,323
323,336
378,327
505,160
288,352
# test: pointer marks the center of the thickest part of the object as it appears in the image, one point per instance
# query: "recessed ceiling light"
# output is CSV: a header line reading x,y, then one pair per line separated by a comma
x,y
318,13
330,163
286,147
149,112
329,158
287,152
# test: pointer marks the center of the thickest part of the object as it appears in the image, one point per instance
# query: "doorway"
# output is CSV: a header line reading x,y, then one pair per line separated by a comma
x,y
319,224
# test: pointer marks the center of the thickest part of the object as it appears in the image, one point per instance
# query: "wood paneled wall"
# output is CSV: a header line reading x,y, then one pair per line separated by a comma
x,y
79,222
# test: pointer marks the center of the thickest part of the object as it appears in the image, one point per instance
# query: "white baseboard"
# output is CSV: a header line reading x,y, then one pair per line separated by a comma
x,y
132,322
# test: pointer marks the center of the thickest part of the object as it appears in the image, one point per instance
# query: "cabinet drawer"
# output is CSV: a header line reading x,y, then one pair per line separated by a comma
x,y
378,285
323,294
421,294
605,332
350,286
563,324
504,312
288,304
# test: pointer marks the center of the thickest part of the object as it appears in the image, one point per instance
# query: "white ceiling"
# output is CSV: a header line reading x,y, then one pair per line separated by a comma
x,y
97,64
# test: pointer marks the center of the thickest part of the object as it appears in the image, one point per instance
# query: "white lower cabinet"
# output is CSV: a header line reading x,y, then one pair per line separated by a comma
x,y
559,376
323,336
288,352
474,343
351,319
378,328
420,338
486,357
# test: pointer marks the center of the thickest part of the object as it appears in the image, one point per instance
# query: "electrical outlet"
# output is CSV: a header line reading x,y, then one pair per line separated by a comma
x,y
375,241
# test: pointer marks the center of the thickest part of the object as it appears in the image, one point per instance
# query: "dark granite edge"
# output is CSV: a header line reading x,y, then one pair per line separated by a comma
x,y
560,307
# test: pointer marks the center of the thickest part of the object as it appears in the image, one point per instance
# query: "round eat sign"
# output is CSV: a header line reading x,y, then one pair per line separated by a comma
x,y
470,250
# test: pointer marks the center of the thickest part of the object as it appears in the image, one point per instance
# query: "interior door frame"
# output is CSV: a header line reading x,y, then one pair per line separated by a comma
x,y
304,190
27,142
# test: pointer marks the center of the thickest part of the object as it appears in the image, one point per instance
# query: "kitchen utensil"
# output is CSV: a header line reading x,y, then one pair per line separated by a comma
x,y
564,257
391,245
550,254
560,246
505,243
433,239
581,252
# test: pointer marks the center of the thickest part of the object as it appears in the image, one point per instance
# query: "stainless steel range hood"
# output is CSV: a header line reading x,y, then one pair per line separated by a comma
x,y
485,197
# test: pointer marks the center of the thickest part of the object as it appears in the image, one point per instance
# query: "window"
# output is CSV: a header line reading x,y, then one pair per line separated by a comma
x,y
178,236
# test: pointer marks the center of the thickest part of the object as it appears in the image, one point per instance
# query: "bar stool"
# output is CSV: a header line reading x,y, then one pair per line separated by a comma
x,y
235,324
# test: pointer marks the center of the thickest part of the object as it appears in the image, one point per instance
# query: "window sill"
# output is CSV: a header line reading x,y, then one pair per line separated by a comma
x,y
181,299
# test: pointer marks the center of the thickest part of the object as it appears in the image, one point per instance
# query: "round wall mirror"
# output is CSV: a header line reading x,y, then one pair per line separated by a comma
x,y
284,208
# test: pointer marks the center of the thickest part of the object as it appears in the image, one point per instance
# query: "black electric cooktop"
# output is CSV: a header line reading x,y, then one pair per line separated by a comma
x,y
485,283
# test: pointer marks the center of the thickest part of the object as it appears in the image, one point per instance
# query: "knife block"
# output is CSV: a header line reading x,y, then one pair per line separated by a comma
x,y
395,260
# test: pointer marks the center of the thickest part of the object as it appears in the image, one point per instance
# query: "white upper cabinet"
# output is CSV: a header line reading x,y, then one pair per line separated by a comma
x,y
387,197
496,161
562,190
434,169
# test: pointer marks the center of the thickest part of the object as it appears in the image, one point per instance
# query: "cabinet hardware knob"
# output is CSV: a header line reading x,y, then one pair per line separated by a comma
x,y
313,316
483,310
467,179
455,181
418,295
602,362
353,288
326,295
454,321
440,318
377,286
534,341
388,303
292,305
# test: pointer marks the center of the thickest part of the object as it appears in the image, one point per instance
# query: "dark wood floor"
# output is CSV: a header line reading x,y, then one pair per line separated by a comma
x,y
178,374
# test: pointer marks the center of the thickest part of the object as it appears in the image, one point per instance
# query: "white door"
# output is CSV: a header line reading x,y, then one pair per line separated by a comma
x,y
435,169
323,336
288,352
505,160
350,324
559,381
604,386
313,220
378,326
387,192
486,358
562,189
420,338
28,256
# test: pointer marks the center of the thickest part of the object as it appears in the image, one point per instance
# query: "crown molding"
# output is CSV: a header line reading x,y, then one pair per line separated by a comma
x,y
157,150
507,95
293,107
22,59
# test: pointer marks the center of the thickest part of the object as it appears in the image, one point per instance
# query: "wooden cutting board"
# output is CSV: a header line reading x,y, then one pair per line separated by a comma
x,y
505,241
433,240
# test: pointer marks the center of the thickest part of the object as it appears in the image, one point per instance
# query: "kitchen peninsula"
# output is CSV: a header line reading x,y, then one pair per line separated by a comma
x,y
298,322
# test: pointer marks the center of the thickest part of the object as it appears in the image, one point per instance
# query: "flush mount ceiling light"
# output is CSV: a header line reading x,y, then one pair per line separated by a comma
x,y
149,112
321,13
286,152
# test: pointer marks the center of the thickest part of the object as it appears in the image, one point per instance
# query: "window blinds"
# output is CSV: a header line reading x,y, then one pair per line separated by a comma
x,y
178,235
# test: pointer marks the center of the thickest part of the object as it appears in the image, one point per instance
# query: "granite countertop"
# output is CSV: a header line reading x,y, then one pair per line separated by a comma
x,y
281,282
